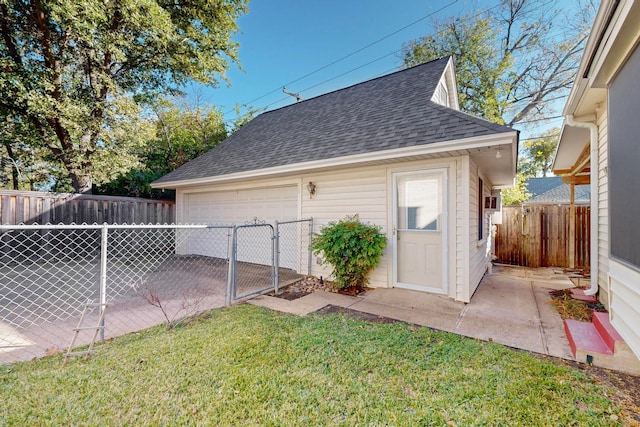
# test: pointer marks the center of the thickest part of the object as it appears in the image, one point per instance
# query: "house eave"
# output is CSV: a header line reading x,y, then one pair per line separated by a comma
x,y
466,144
609,45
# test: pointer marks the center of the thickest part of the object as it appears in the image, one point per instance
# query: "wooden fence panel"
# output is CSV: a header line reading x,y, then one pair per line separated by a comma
x,y
538,236
30,207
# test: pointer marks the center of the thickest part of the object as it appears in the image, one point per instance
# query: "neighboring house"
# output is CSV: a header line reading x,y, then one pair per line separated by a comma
x,y
396,150
599,144
551,190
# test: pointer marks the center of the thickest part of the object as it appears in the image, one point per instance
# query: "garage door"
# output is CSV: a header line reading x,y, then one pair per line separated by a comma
x,y
239,207
242,206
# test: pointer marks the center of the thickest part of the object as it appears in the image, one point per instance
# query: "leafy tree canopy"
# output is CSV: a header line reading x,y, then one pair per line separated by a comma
x,y
512,61
78,72
182,131
538,154
516,194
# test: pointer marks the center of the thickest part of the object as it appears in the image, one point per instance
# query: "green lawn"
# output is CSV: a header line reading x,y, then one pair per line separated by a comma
x,y
250,366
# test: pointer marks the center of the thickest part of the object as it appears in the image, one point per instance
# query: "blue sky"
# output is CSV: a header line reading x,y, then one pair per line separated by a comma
x,y
282,41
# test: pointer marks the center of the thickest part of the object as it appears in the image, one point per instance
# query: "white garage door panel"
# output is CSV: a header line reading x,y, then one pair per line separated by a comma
x,y
240,207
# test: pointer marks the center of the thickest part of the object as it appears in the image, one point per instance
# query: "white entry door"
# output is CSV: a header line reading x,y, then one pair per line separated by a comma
x,y
420,227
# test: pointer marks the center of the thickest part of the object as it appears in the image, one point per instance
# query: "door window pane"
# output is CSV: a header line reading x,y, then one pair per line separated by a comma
x,y
419,202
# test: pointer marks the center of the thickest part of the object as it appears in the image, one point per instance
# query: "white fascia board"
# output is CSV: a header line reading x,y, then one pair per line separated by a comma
x,y
612,38
450,76
398,153
580,84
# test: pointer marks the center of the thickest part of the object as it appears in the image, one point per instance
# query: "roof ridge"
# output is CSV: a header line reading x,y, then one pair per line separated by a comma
x,y
432,62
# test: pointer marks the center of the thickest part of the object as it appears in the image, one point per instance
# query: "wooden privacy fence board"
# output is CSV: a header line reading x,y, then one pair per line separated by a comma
x,y
29,207
538,236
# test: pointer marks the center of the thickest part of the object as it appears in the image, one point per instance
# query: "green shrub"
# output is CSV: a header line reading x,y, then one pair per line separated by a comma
x,y
352,248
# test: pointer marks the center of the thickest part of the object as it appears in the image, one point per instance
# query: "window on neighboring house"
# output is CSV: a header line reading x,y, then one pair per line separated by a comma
x,y
480,212
623,174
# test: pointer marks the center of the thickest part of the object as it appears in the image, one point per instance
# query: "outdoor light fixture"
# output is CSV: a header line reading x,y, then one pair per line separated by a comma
x,y
498,154
311,188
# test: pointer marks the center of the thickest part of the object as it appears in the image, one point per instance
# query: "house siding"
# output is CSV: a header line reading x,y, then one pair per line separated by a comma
x,y
478,258
460,205
361,191
624,301
603,207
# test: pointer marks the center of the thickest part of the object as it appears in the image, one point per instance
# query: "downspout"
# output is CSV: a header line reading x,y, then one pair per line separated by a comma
x,y
593,142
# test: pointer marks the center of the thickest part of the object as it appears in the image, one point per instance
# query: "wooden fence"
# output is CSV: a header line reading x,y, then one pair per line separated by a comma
x,y
29,207
538,236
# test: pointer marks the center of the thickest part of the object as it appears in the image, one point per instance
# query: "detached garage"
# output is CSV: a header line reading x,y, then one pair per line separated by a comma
x,y
396,150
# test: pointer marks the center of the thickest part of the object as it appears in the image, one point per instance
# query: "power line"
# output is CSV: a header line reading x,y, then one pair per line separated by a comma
x,y
338,76
540,120
376,60
353,53
540,137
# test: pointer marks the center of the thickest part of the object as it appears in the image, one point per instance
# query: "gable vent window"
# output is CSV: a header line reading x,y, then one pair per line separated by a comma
x,y
441,95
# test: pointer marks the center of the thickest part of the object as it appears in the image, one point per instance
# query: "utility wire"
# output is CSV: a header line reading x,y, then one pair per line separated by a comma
x,y
352,53
336,77
540,137
373,61
540,120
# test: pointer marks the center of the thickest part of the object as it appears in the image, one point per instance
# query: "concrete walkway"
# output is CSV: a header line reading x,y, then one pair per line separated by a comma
x,y
510,307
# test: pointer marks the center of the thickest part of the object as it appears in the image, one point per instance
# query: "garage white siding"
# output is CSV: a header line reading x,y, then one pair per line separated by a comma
x,y
478,257
361,191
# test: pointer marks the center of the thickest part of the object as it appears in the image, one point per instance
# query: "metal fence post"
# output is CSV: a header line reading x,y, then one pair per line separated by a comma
x,y
103,276
230,294
276,259
310,243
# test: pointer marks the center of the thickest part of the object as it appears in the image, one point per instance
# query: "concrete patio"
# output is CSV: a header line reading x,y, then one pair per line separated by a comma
x,y
510,307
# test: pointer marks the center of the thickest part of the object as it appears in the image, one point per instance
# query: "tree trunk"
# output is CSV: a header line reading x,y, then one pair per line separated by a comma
x,y
81,181
15,174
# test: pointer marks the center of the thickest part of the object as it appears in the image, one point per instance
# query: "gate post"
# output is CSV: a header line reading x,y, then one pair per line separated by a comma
x,y
103,276
309,248
231,277
276,259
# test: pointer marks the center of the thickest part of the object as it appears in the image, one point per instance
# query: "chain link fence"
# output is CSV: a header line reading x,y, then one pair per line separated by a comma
x,y
146,274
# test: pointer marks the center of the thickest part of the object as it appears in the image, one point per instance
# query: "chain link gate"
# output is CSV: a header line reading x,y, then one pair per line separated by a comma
x,y
253,260
293,250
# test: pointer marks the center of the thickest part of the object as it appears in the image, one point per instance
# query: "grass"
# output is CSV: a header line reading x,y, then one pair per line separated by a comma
x,y
249,366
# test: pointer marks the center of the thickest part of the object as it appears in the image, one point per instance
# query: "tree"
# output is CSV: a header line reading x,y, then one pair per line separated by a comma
x,y
538,154
180,133
516,194
511,61
75,70
22,164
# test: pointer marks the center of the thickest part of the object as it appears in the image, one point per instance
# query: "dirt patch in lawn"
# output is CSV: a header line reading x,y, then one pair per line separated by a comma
x,y
373,318
310,284
627,387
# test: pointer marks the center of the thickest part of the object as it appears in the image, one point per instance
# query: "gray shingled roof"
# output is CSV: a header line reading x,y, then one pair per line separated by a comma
x,y
537,186
551,189
389,112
